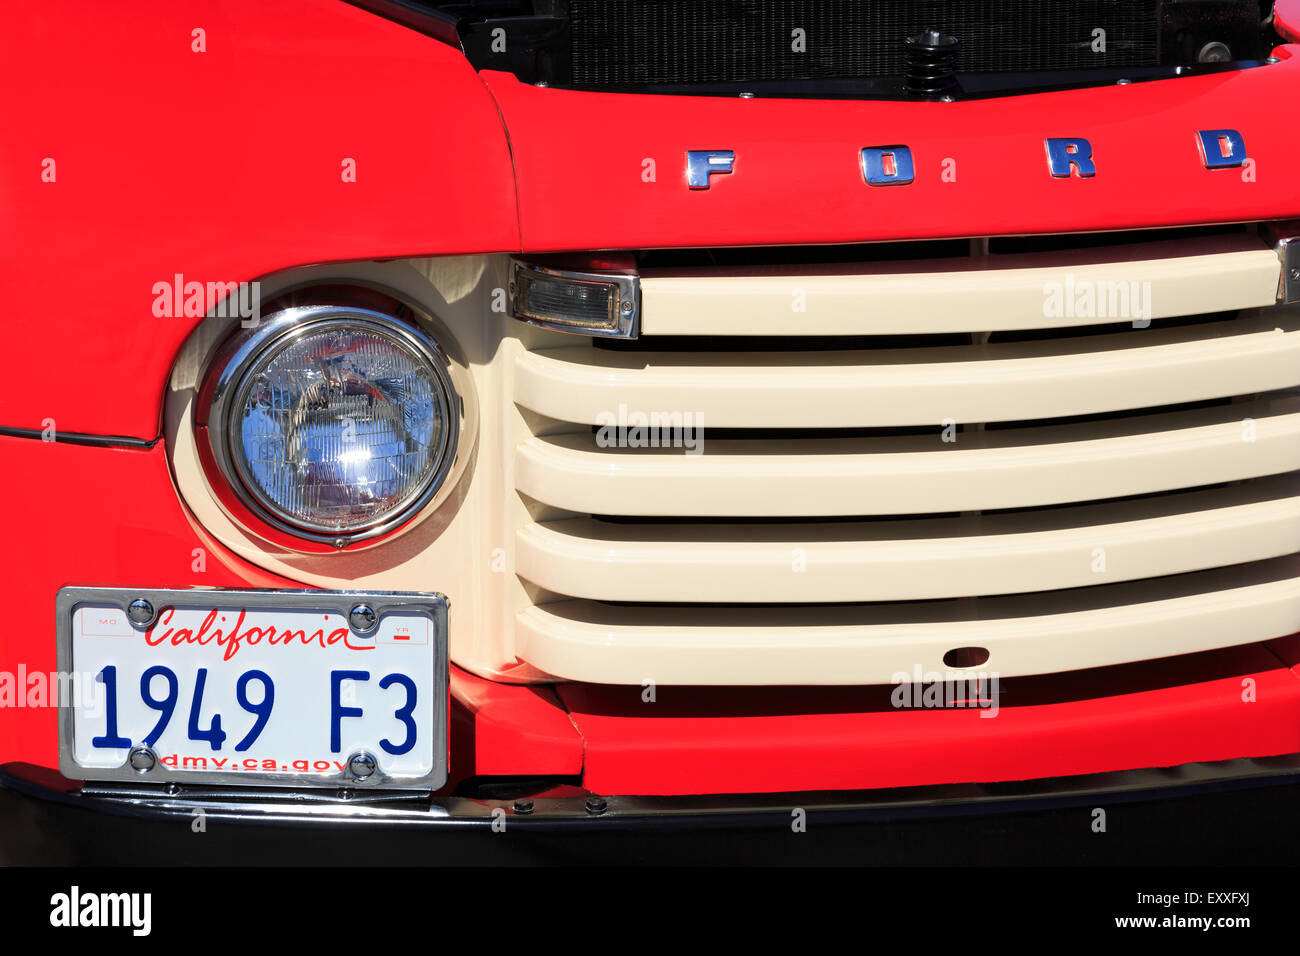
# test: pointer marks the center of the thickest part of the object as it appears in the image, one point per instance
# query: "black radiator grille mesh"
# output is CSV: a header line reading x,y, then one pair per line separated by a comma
x,y
629,42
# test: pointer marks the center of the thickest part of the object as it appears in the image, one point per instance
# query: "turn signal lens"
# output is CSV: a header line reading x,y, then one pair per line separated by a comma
x,y
591,303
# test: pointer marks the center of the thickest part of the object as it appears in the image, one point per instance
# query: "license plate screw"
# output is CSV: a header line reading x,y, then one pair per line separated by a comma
x,y
523,807
141,759
361,765
596,805
363,619
140,612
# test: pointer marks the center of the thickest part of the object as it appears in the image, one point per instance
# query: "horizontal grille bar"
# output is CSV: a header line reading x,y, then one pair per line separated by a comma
x,y
923,559
1010,381
814,477
968,294
873,644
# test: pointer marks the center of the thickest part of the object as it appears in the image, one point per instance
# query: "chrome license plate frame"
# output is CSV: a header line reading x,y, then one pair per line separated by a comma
x,y
399,607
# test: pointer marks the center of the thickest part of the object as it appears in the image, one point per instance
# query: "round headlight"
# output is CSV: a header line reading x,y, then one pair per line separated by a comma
x,y
335,423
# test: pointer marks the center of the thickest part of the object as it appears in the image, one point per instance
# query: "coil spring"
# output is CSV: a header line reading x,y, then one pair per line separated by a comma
x,y
932,63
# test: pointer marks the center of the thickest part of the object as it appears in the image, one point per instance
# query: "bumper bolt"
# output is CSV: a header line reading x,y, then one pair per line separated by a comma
x,y
523,807
361,765
596,806
363,619
141,759
140,612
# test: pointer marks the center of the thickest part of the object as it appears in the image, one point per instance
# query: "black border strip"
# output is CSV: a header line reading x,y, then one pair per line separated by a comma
x,y
80,438
434,23
972,86
266,807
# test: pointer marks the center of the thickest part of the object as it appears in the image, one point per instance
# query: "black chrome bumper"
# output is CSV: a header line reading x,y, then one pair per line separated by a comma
x,y
46,819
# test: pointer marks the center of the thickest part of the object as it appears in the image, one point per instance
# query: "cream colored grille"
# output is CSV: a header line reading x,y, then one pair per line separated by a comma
x,y
1054,485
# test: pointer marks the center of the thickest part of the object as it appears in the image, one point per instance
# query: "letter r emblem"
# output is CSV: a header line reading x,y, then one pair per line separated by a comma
x,y
1069,154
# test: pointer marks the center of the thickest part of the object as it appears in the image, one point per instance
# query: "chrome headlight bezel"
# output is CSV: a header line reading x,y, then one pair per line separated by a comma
x,y
231,374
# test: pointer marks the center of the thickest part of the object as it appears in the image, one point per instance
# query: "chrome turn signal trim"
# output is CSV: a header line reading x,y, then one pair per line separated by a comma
x,y
1285,237
602,304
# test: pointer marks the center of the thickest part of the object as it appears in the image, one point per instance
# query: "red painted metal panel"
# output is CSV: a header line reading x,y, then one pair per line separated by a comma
x,y
111,517
510,730
1286,19
580,159
93,516
219,166
226,164
1153,714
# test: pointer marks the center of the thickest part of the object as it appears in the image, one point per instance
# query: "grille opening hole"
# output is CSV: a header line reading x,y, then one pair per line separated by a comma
x,y
1110,328
784,343
960,658
1010,245
778,256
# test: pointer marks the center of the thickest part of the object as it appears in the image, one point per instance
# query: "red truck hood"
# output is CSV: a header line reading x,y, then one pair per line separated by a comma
x,y
607,171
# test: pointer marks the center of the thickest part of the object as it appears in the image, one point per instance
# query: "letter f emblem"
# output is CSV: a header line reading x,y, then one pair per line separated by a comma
x,y
703,163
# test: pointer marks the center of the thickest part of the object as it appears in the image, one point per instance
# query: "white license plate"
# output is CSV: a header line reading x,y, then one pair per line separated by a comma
x,y
253,687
